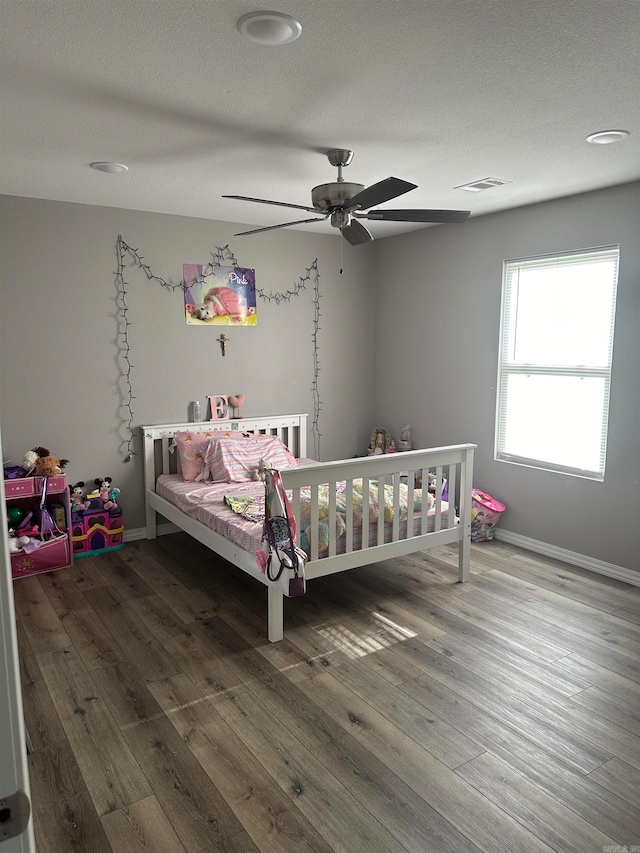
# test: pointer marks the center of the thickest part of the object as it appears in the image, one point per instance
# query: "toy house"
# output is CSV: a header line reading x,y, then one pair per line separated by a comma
x,y
96,530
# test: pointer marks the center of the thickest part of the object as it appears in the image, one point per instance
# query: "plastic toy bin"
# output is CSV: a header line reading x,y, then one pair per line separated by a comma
x,y
52,554
485,516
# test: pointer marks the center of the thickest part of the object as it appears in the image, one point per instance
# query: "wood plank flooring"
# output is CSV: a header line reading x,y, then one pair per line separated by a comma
x,y
402,713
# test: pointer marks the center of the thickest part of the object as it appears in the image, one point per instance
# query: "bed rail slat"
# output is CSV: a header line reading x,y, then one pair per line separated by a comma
x,y
314,520
395,534
381,510
424,474
165,455
295,508
411,502
348,494
332,520
438,496
452,495
365,513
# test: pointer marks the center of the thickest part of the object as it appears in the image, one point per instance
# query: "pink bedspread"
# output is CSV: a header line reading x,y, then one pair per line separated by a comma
x,y
205,503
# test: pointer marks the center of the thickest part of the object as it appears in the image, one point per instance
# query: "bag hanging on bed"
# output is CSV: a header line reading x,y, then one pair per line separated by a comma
x,y
286,561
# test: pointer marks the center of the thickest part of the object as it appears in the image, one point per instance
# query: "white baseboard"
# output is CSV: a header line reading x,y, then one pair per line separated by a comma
x,y
141,532
571,557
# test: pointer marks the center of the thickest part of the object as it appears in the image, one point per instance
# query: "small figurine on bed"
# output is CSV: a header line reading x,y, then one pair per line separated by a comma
x,y
260,471
380,441
405,438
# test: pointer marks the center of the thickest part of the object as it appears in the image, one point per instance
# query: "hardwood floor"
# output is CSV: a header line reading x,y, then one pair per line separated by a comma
x,y
402,712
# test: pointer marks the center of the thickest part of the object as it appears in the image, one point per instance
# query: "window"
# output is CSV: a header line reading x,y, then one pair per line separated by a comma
x,y
554,367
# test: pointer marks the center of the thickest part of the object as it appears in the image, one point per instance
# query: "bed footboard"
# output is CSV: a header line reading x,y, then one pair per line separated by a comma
x,y
451,471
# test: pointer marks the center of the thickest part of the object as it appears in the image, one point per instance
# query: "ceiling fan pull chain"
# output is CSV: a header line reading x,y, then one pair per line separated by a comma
x,y
341,247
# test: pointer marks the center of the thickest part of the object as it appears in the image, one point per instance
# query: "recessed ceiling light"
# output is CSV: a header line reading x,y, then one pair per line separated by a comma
x,y
605,137
112,168
269,27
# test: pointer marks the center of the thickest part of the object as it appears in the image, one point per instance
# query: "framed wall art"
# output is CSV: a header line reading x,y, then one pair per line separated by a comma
x,y
216,295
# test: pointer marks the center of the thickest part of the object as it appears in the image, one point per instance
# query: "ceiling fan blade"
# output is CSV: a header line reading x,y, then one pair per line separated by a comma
x,y
380,192
284,225
355,233
278,203
416,215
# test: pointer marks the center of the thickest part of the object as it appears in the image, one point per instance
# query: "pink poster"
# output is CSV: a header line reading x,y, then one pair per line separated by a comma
x,y
219,296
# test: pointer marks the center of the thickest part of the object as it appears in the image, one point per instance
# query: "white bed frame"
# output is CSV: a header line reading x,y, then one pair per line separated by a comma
x,y
454,462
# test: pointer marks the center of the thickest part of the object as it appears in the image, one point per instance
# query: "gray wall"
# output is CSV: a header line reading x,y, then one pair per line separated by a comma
x,y
60,374
438,312
415,317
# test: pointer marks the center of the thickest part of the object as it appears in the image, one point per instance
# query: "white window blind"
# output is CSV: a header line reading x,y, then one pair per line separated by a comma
x,y
554,370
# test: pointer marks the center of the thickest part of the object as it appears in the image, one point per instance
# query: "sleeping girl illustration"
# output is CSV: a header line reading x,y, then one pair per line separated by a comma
x,y
220,301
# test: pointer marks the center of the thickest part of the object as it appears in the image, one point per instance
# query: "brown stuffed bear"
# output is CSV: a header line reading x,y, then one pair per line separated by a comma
x,y
47,465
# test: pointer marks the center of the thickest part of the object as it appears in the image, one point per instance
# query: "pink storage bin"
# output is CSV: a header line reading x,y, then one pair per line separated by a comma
x,y
55,484
485,515
22,488
52,554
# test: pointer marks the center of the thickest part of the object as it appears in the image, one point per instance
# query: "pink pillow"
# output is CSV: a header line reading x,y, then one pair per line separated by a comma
x,y
190,446
233,458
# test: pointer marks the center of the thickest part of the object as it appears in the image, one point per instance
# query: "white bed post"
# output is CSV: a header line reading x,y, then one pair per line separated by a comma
x,y
275,613
302,437
149,480
464,546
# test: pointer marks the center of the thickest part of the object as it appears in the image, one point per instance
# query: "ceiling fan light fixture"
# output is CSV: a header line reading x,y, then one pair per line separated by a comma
x,y
111,168
606,137
272,28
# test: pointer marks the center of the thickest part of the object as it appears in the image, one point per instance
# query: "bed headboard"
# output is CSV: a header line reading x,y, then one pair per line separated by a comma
x,y
292,429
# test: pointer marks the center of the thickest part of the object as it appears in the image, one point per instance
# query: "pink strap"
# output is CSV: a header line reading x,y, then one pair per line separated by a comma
x,y
279,489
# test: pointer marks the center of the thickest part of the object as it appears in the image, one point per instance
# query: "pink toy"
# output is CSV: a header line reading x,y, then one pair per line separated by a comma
x,y
78,500
17,543
107,493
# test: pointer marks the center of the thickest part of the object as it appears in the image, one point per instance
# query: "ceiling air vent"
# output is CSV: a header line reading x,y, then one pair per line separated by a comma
x,y
483,184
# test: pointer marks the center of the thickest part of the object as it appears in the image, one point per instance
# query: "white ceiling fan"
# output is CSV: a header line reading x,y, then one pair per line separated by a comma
x,y
345,203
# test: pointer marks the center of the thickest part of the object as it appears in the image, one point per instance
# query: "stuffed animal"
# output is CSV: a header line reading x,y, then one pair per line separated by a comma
x,y
29,462
431,488
107,493
78,500
17,543
45,464
259,473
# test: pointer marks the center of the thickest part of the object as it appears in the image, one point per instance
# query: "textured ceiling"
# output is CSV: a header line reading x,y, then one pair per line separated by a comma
x,y
437,92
